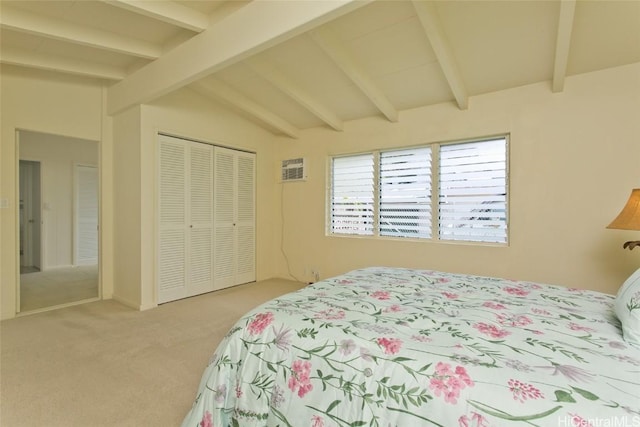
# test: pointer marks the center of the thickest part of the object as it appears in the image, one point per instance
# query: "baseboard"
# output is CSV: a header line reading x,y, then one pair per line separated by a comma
x,y
131,304
56,267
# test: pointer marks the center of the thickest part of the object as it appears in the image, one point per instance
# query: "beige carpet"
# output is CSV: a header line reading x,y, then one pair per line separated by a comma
x,y
41,289
103,364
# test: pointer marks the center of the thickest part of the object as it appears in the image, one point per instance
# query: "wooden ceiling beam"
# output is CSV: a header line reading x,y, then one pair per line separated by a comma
x,y
356,72
43,26
222,44
166,11
212,87
563,44
298,94
57,63
439,43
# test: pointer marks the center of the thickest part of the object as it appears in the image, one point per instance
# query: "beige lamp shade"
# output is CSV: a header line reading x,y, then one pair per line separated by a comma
x,y
629,217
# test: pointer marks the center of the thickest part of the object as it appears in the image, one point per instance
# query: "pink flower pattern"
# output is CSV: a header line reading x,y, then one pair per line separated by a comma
x,y
476,420
491,330
448,382
390,345
523,391
260,322
517,291
300,377
376,340
381,295
576,327
395,308
578,421
494,305
206,420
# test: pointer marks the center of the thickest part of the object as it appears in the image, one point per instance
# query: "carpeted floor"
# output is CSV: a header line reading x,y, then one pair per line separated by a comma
x,y
104,364
41,289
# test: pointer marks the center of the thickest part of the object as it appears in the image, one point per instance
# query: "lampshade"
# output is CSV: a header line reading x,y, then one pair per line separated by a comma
x,y
629,217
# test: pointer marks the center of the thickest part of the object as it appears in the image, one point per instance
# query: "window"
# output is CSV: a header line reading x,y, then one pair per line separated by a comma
x,y
405,193
352,195
393,193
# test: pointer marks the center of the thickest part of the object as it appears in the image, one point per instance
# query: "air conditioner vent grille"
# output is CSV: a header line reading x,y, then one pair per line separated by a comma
x,y
293,170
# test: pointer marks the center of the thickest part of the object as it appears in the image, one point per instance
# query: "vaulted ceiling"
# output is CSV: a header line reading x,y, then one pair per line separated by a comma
x,y
293,65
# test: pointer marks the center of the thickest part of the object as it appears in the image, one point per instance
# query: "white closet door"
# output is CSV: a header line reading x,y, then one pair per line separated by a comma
x,y
185,248
224,217
245,218
86,242
234,217
206,211
200,255
172,212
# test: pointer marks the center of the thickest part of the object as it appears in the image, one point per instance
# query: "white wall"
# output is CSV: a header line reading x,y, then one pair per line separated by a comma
x,y
126,202
60,105
574,158
189,115
58,156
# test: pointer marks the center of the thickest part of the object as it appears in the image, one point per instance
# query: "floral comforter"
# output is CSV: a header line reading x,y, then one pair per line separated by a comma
x,y
400,347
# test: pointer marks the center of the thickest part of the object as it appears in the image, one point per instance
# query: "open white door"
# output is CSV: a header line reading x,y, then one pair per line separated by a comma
x,y
86,215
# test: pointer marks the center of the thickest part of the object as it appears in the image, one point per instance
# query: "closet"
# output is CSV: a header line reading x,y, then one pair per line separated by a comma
x,y
206,218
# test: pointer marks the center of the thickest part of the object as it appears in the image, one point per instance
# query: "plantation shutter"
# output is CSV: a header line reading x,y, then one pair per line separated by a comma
x,y
246,228
235,207
172,216
405,193
352,200
200,256
87,215
224,195
473,188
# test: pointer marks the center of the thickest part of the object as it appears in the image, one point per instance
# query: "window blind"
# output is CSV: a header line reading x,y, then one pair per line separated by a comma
x,y
352,199
405,193
472,191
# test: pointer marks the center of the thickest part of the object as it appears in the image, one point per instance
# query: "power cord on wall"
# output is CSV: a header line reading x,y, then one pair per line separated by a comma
x,y
284,254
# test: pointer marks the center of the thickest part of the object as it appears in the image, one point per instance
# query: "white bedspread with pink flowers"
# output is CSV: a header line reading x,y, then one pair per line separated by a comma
x,y
400,347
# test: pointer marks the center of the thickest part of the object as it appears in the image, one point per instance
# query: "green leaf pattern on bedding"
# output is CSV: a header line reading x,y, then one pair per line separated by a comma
x,y
400,347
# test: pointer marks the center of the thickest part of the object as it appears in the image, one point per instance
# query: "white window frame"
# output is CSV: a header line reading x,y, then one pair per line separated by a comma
x,y
435,235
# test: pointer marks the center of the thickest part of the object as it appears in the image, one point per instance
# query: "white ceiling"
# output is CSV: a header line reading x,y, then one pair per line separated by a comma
x,y
292,65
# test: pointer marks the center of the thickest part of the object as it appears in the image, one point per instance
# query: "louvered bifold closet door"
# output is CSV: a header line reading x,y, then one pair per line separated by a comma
x,y
224,215
200,260
234,217
172,216
245,218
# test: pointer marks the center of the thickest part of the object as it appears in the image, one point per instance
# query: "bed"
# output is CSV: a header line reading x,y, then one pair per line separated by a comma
x,y
402,347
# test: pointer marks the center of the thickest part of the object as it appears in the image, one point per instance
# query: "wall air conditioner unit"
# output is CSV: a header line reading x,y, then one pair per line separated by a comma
x,y
293,170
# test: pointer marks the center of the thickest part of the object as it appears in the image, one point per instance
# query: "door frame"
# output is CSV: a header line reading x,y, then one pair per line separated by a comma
x,y
16,211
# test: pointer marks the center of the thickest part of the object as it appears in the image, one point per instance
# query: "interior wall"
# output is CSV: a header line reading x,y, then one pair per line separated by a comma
x,y
189,115
56,104
574,158
58,156
127,192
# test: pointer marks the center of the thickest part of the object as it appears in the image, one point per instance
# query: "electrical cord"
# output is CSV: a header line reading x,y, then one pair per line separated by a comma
x,y
284,254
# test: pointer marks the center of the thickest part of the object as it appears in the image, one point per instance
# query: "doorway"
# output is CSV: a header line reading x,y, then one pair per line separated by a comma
x,y
59,205
30,221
